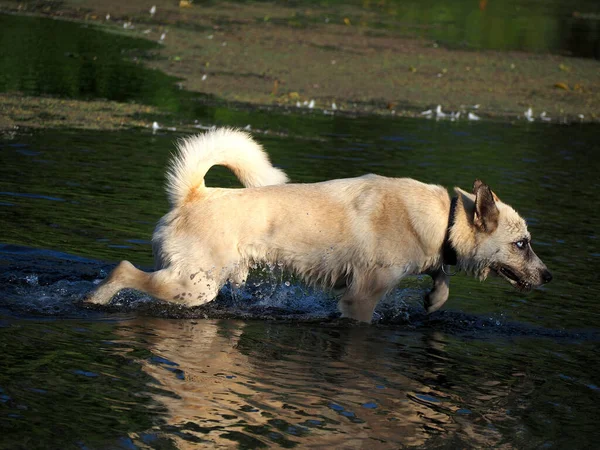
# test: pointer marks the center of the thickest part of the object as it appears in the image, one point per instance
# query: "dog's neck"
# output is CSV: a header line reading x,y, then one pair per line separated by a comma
x,y
449,257
462,236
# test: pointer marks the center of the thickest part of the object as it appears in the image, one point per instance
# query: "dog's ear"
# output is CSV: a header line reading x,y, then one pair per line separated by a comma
x,y
486,211
478,183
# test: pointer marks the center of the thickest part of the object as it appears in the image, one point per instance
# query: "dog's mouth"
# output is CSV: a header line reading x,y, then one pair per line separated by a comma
x,y
513,278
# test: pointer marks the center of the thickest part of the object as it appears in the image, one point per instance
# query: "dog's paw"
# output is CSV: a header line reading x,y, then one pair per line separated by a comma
x,y
432,304
95,297
88,299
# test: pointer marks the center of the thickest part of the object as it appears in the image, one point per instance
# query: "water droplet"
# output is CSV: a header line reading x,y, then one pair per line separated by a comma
x,y
32,280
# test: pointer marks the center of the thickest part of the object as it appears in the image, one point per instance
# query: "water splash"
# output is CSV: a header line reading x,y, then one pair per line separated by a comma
x,y
48,283
44,282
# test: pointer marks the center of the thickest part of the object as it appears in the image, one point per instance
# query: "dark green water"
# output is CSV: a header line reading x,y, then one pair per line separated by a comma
x,y
168,383
571,27
273,367
495,368
52,57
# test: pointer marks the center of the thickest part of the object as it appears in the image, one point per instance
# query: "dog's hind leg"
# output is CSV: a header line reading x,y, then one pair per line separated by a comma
x,y
165,284
125,275
439,292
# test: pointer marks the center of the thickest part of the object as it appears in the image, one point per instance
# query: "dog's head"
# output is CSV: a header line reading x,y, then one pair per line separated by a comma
x,y
491,237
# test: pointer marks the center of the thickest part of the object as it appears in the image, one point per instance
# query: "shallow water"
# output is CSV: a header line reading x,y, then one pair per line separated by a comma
x,y
552,25
273,365
53,57
167,383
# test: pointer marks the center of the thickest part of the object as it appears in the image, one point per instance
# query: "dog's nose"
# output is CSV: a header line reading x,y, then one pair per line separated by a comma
x,y
546,276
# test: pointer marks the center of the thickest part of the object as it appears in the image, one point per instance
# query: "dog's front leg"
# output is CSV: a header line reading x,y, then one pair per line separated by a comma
x,y
439,292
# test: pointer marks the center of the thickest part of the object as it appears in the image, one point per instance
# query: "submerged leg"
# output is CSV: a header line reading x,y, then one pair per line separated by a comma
x,y
439,292
359,307
362,296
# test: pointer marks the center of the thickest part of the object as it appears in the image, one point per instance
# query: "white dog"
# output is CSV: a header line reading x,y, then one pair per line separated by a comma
x,y
361,235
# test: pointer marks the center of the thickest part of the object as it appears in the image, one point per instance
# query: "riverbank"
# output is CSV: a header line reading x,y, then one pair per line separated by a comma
x,y
260,54
47,112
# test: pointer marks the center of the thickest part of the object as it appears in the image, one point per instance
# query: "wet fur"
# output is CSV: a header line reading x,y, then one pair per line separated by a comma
x,y
358,235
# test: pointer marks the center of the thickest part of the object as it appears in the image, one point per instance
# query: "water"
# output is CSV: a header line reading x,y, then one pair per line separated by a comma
x,y
57,58
549,26
169,383
273,366
42,56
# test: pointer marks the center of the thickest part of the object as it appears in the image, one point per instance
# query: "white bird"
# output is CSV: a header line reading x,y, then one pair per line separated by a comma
x,y
438,111
163,36
333,106
429,112
298,105
581,116
248,127
153,10
108,17
155,127
476,106
204,77
472,116
311,105
544,117
529,115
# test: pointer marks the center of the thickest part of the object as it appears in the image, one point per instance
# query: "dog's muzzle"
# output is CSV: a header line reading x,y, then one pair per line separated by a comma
x,y
513,278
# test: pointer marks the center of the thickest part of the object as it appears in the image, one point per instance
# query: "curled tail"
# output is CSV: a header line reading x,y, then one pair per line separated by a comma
x,y
227,147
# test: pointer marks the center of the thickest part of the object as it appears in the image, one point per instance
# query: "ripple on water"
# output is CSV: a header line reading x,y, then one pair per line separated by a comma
x,y
51,283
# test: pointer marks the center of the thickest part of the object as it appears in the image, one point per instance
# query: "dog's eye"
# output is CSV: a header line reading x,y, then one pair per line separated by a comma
x,y
521,244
